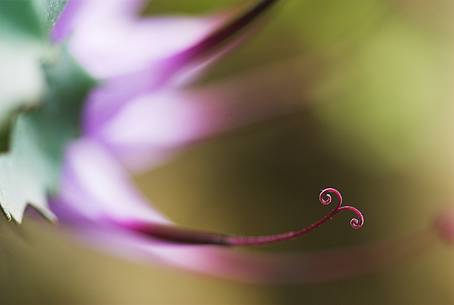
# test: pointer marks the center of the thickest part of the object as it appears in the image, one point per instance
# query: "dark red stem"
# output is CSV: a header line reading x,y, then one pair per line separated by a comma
x,y
180,235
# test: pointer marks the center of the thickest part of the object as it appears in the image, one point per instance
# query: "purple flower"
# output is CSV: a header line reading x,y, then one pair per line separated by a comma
x,y
139,115
144,65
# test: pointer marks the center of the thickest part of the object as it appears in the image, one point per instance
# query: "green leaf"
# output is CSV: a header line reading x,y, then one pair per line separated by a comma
x,y
30,171
21,47
49,11
29,19
21,81
24,28
20,19
35,122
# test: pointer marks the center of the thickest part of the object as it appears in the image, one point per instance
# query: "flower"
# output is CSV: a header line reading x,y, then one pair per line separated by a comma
x,y
143,64
140,114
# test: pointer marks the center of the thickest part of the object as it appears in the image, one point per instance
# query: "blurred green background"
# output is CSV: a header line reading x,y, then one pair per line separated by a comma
x,y
372,81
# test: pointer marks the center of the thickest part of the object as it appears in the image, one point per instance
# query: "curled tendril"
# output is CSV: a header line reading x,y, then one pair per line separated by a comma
x,y
326,198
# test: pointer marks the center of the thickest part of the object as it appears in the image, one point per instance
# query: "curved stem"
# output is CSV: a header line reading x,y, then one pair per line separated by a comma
x,y
274,238
180,235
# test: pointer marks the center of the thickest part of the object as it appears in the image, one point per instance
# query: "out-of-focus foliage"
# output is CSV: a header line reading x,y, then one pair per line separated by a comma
x,y
30,169
24,26
21,48
39,85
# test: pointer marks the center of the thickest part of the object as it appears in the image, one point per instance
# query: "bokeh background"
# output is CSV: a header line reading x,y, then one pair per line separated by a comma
x,y
370,84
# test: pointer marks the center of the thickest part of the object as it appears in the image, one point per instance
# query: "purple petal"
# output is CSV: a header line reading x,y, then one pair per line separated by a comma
x,y
95,187
151,127
81,14
109,39
125,46
185,65
211,42
159,122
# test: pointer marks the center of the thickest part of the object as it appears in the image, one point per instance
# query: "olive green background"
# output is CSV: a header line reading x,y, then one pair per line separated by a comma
x,y
373,118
